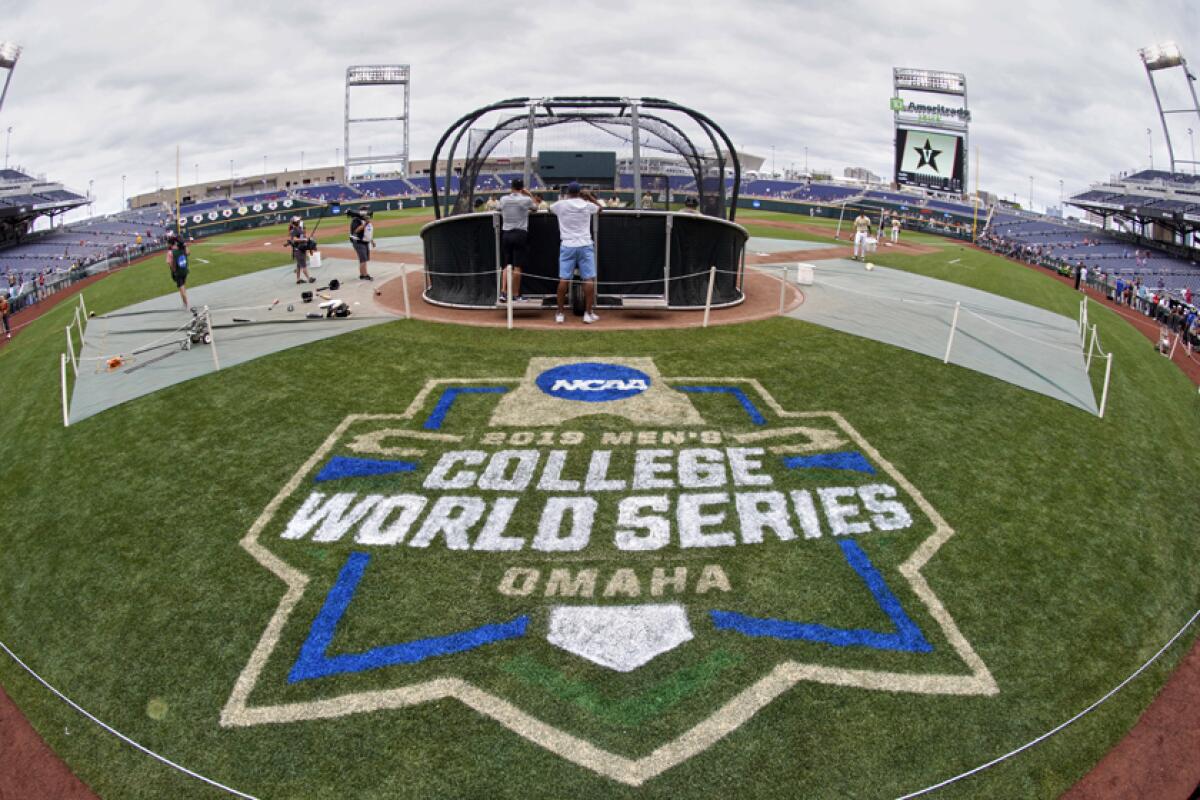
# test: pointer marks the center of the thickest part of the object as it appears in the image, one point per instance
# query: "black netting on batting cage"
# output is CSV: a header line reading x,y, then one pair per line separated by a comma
x,y
460,261
632,252
657,135
697,244
540,275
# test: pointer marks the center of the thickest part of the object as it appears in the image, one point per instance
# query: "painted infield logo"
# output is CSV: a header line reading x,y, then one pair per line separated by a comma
x,y
672,564
593,382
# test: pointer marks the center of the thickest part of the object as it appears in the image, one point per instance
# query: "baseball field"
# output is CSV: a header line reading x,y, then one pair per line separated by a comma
x,y
789,563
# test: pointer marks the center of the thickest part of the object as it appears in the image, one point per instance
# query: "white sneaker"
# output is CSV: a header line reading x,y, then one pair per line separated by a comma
x,y
589,318
558,317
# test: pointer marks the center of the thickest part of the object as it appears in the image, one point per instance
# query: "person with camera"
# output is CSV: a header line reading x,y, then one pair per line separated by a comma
x,y
362,239
301,246
177,260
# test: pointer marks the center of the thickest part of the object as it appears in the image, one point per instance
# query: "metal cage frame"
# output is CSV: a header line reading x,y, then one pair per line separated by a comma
x,y
544,112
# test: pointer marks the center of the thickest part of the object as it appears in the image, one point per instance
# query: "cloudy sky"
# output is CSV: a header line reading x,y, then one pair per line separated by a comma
x,y
110,89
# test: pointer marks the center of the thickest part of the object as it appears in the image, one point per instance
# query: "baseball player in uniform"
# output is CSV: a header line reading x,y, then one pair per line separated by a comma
x,y
862,231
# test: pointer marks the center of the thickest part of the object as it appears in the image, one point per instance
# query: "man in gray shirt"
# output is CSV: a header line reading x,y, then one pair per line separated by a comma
x,y
514,233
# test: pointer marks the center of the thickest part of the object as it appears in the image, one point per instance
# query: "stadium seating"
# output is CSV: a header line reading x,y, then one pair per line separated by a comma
x,y
328,193
1048,240
1148,175
390,187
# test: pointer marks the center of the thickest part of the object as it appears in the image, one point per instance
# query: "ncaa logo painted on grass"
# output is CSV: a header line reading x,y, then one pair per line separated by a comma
x,y
593,382
590,547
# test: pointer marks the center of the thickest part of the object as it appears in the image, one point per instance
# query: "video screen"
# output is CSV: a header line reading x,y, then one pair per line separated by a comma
x,y
929,160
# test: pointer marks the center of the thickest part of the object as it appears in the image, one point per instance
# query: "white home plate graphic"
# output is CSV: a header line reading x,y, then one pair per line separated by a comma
x,y
622,638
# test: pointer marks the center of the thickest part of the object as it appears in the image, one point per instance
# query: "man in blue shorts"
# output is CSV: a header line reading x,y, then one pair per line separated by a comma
x,y
575,249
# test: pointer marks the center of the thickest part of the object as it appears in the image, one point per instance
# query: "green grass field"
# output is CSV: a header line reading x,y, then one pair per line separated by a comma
x,y
122,580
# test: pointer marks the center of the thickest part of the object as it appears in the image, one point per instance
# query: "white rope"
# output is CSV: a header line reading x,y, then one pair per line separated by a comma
x,y
1060,727
1077,349
599,282
120,735
174,332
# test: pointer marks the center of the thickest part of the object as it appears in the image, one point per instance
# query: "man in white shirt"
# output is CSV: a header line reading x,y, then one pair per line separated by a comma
x,y
575,249
862,230
895,229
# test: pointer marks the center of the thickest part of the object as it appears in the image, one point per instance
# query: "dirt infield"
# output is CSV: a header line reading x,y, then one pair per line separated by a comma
x,y
29,769
762,302
256,244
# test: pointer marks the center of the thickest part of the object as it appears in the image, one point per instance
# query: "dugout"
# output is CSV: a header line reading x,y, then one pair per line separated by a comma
x,y
644,258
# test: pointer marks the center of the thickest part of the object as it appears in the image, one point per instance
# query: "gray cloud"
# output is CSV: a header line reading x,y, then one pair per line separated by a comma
x,y
105,90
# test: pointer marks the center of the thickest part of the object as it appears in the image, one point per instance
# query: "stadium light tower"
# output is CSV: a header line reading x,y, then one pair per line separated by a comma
x,y
396,152
1167,56
9,53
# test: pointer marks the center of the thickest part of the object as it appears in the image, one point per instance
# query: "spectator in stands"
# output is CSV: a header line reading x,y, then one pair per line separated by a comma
x,y
515,208
4,312
574,214
298,240
177,260
362,239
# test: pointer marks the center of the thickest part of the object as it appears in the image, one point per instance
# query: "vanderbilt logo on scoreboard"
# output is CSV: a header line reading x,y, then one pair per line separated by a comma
x,y
554,549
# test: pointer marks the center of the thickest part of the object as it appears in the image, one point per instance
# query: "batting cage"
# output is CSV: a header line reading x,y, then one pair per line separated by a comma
x,y
647,256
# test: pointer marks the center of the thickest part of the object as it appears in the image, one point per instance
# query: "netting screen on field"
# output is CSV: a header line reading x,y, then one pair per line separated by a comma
x,y
929,160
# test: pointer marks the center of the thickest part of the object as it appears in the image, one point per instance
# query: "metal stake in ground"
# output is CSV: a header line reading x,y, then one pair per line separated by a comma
x,y
953,327
712,277
212,342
